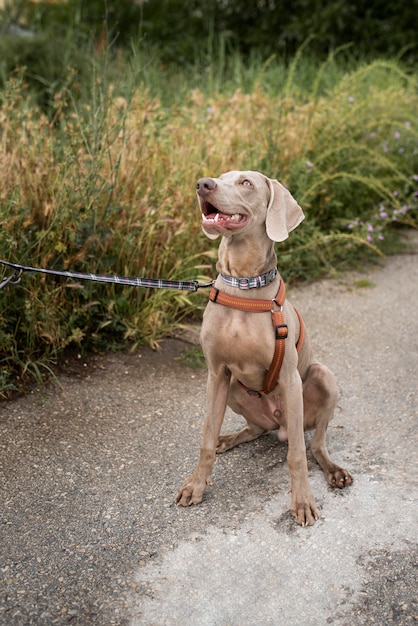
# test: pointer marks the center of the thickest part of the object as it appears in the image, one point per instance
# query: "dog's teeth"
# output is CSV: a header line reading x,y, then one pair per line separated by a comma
x,y
236,217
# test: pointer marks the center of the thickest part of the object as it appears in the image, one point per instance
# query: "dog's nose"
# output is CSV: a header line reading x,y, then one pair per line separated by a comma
x,y
205,185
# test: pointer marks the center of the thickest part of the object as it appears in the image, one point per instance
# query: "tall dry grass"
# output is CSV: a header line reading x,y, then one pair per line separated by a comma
x,y
107,184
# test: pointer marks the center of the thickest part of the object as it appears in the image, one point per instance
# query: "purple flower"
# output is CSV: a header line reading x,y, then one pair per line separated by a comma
x,y
370,228
369,239
309,164
353,224
396,193
351,99
397,135
383,214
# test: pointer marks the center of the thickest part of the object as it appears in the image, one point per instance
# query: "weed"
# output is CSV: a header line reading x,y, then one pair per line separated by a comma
x,y
193,357
364,283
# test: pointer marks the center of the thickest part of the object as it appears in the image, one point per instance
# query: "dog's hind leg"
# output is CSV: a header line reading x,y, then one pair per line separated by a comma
x,y
249,433
258,413
320,394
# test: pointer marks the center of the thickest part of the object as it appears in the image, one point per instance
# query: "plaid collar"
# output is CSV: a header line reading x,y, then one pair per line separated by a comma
x,y
249,283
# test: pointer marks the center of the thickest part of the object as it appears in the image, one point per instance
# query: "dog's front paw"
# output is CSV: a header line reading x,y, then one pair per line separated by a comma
x,y
305,510
191,492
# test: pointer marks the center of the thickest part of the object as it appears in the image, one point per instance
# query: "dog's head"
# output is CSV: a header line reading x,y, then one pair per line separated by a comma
x,y
236,201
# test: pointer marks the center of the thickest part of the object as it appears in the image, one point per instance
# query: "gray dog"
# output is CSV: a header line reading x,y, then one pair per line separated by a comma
x,y
259,357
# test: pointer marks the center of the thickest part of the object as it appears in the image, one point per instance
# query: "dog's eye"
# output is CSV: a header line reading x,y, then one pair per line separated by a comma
x,y
246,183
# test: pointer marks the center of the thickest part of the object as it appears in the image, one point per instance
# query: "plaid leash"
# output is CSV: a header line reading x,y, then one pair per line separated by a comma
x,y
154,283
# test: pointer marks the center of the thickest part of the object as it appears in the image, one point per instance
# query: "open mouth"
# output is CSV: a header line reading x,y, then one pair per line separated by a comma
x,y
210,214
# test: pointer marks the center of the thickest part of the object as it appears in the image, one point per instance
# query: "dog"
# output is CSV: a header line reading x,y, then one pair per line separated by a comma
x,y
251,212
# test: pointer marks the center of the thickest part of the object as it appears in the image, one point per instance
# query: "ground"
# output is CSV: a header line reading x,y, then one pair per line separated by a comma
x,y
89,467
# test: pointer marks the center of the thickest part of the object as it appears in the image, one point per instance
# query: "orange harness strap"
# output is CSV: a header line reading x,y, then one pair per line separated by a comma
x,y
279,325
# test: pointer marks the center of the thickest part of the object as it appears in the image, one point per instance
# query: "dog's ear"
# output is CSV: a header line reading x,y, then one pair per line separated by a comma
x,y
283,212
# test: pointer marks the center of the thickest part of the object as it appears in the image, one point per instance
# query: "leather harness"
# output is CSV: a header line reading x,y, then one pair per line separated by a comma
x,y
275,307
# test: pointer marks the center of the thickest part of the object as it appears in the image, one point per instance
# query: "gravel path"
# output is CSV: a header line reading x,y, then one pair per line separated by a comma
x,y
89,533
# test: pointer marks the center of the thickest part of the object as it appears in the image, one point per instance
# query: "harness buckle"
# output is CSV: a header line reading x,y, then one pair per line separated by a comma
x,y
213,295
281,331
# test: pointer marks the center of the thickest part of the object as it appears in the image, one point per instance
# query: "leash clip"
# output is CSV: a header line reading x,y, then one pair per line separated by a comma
x,y
13,279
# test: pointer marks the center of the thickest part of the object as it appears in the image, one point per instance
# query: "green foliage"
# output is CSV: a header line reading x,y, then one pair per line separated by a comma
x,y
278,27
55,41
193,357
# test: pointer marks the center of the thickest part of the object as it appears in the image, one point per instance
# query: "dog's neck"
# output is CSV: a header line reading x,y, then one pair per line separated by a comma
x,y
237,259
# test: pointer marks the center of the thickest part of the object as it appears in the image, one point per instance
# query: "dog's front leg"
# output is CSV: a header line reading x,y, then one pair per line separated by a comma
x,y
303,505
193,489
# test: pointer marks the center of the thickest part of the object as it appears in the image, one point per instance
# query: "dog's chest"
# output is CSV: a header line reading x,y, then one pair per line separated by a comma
x,y
240,340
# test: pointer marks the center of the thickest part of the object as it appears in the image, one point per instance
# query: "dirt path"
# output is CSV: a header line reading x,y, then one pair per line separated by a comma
x,y
89,533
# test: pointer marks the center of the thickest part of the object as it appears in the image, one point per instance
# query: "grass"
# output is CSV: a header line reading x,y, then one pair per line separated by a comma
x,y
104,182
364,283
193,357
